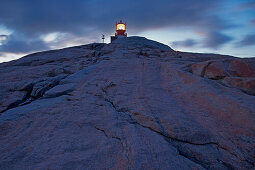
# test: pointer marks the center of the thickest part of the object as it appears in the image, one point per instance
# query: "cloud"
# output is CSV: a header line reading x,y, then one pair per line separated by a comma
x,y
247,5
4,57
18,44
253,21
185,43
248,40
81,18
214,40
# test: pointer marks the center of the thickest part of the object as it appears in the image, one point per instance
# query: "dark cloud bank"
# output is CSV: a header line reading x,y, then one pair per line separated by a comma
x,y
213,40
30,19
248,40
185,43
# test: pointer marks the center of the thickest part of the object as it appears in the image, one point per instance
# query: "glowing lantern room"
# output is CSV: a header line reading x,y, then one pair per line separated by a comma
x,y
120,31
120,27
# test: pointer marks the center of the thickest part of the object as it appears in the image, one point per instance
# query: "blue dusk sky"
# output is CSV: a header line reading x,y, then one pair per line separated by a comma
x,y
208,26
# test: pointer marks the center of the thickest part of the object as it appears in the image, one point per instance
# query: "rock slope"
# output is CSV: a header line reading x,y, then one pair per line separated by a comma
x,y
131,104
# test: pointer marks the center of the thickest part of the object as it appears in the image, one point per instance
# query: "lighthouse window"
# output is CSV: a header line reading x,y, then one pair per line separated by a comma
x,y
120,27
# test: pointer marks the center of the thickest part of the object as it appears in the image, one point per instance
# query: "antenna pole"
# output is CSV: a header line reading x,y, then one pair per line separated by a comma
x,y
103,37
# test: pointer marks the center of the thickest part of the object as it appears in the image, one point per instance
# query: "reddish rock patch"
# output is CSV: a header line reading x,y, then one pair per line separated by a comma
x,y
242,68
215,71
199,68
245,84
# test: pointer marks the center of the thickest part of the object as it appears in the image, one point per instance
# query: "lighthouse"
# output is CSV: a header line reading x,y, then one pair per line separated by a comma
x,y
120,31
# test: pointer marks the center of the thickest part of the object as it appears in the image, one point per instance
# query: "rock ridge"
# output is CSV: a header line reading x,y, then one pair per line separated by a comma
x,y
131,104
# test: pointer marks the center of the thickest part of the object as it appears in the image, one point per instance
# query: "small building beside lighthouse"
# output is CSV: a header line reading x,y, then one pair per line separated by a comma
x,y
120,31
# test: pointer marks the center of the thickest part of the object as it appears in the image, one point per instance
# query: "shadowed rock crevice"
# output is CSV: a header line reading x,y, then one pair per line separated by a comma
x,y
192,159
28,90
108,136
34,91
105,89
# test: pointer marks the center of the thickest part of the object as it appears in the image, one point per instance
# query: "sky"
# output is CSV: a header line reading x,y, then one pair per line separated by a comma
x,y
207,26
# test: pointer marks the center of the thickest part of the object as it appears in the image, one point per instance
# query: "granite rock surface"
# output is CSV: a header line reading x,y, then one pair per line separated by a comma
x,y
130,104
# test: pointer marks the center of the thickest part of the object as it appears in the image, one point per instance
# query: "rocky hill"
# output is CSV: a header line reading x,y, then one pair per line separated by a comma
x,y
131,104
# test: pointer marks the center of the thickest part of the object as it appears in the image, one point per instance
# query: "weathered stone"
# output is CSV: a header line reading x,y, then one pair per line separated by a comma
x,y
199,68
242,68
78,108
215,70
245,84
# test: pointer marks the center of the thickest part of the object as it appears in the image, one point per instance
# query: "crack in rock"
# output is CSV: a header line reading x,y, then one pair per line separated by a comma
x,y
33,92
108,136
28,90
124,149
105,89
190,159
136,123
167,136
204,69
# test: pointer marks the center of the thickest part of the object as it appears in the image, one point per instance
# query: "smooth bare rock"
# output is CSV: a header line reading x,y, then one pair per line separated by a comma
x,y
143,42
199,68
62,89
216,70
131,104
245,84
211,69
242,68
11,99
